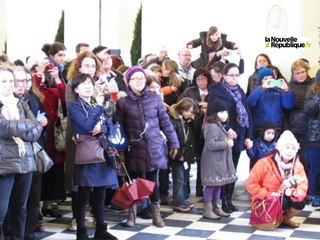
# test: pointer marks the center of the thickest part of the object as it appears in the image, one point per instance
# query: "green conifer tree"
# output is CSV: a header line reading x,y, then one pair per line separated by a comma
x,y
60,32
135,50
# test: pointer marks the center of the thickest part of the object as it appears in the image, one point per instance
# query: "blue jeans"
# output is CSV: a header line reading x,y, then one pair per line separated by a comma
x,y
14,192
313,154
179,183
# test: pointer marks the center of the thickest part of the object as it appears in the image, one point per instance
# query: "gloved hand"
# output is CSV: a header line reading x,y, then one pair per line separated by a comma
x,y
290,182
296,193
288,192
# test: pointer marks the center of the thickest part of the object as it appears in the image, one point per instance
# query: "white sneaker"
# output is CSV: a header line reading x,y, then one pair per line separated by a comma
x,y
73,225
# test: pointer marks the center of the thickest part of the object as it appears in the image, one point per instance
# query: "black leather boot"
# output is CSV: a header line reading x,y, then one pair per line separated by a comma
x,y
82,234
225,206
102,233
231,206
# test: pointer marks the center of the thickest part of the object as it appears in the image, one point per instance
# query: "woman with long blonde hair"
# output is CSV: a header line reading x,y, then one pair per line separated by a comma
x,y
172,84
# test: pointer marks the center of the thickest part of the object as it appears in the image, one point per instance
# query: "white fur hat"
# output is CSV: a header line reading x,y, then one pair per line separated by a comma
x,y
287,137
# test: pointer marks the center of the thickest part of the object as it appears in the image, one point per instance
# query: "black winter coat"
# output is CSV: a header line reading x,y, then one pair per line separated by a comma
x,y
188,145
298,120
311,108
27,129
218,91
203,59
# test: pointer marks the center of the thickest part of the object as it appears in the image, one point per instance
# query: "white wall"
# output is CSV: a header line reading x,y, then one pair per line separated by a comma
x,y
164,23
30,24
2,26
82,24
173,23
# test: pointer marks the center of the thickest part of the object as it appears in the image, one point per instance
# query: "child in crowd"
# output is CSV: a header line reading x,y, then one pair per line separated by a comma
x,y
270,101
217,168
182,114
263,145
281,174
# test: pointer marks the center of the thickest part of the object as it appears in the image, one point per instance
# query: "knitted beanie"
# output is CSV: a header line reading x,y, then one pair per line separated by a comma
x,y
216,106
285,138
264,72
132,71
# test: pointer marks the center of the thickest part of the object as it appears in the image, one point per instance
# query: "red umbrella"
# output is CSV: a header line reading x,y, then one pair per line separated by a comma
x,y
145,188
132,192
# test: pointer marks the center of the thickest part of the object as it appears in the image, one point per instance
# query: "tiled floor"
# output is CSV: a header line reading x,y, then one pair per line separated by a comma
x,y
192,226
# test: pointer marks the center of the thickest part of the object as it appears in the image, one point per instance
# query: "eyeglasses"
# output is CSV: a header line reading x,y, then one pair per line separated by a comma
x,y
21,81
233,75
199,79
137,78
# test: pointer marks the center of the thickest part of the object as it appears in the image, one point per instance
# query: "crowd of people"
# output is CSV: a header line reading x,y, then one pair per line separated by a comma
x,y
174,114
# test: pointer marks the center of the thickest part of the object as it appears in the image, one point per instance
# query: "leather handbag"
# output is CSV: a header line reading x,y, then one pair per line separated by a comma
x,y
60,129
116,134
266,214
88,150
43,161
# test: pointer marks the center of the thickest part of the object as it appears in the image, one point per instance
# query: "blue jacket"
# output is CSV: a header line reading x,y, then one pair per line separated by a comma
x,y
84,118
268,105
259,150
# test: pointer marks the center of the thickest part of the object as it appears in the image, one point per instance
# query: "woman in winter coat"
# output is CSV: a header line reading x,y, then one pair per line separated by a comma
x,y
34,99
213,46
298,119
18,128
85,62
262,60
144,117
53,88
281,173
198,93
88,118
311,108
240,121
172,84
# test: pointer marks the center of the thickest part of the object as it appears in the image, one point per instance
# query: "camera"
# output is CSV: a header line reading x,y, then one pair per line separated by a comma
x,y
49,66
275,83
115,51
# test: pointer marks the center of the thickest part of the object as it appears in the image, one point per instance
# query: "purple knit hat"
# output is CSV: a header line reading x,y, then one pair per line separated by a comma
x,y
132,71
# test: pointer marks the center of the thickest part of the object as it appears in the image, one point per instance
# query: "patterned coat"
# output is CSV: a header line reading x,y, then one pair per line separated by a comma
x,y
143,118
